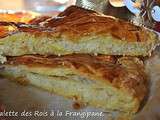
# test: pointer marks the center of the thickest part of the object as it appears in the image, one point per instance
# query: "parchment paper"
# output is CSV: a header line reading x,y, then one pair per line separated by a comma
x,y
151,110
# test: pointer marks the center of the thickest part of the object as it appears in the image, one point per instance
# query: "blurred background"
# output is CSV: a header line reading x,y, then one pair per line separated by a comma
x,y
149,16
42,6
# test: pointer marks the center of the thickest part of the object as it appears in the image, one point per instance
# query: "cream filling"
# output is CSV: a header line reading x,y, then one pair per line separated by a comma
x,y
23,43
2,58
92,92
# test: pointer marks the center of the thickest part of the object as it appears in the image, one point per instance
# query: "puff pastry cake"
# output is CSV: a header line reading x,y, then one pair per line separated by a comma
x,y
77,30
78,55
103,81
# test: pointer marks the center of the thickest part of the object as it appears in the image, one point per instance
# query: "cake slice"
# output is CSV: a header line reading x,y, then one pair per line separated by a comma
x,y
100,81
77,30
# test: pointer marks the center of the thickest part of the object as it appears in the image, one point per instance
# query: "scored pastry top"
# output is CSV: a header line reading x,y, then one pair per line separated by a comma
x,y
75,23
122,72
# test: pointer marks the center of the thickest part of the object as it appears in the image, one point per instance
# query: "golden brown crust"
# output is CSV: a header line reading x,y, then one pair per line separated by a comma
x,y
17,16
123,73
75,23
4,32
